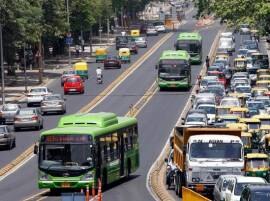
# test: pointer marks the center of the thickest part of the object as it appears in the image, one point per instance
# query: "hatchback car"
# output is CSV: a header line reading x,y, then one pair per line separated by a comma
x,y
7,139
8,112
36,94
160,27
112,62
28,118
141,42
220,187
74,84
258,192
66,74
236,186
151,30
53,103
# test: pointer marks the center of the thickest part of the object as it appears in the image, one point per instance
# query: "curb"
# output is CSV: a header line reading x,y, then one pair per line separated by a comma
x,y
156,174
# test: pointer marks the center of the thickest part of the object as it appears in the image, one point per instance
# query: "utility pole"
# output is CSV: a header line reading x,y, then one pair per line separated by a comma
x,y
108,30
69,53
2,66
25,75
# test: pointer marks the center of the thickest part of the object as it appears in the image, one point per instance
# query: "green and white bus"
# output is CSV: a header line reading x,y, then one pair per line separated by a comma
x,y
174,70
192,43
86,147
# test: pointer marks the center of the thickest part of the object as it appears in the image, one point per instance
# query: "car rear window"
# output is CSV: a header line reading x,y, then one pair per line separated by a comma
x,y
38,90
73,79
26,112
3,130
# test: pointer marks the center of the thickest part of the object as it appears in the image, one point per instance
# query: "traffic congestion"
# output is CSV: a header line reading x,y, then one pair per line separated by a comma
x,y
221,148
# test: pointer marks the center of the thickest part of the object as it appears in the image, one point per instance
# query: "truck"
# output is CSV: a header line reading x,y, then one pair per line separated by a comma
x,y
202,154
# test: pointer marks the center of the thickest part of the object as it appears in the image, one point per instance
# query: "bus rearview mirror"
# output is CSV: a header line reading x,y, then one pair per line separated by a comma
x,y
35,149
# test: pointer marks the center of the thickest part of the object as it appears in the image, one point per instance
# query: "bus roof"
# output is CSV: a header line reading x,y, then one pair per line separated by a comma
x,y
175,54
189,36
90,123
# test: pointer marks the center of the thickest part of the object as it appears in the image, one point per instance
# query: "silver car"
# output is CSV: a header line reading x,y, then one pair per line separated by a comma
x,y
36,94
141,42
7,139
28,118
8,112
151,30
53,103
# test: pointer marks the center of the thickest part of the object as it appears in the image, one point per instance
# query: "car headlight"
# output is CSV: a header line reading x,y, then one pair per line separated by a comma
x,y
43,176
88,176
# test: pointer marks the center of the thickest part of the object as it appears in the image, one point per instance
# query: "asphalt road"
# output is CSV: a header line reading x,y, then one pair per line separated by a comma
x,y
74,102
155,122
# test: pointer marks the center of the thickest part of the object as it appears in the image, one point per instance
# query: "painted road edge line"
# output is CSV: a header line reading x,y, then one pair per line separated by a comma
x,y
154,180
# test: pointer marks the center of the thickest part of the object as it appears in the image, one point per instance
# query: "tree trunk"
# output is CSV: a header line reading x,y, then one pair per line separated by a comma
x,y
90,40
40,63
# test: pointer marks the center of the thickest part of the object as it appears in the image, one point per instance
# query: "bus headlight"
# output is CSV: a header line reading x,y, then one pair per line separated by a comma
x,y
88,176
43,176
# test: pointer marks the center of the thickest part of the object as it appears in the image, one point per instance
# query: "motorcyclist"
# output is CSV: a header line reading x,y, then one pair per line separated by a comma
x,y
99,73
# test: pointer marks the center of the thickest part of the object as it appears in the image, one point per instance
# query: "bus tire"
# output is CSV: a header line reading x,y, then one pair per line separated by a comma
x,y
176,183
104,178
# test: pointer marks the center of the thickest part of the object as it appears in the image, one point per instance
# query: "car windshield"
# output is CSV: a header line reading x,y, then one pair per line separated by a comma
x,y
246,140
229,102
208,109
73,79
38,90
216,150
216,90
141,39
48,98
10,107
3,129
67,155
228,121
265,121
260,195
253,125
26,112
243,89
255,105
195,119
242,52
266,101
68,72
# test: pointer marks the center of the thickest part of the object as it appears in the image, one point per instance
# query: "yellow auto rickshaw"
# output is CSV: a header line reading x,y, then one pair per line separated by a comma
x,y
263,78
257,165
263,83
101,54
258,91
240,64
81,69
241,126
240,96
135,33
264,119
124,55
242,112
222,111
263,72
246,138
228,118
253,124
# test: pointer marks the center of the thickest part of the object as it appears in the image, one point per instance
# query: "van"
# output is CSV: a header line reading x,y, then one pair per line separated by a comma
x,y
227,44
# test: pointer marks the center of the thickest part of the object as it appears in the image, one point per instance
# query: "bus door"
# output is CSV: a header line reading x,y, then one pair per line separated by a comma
x,y
122,153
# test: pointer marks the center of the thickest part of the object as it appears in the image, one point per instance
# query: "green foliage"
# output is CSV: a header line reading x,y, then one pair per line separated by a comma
x,y
256,13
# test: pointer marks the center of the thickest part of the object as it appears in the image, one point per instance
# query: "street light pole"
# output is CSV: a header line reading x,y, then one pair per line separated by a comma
x,y
2,66
24,62
69,53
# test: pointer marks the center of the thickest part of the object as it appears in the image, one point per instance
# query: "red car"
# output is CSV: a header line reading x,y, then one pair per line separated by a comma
x,y
74,84
112,62
220,75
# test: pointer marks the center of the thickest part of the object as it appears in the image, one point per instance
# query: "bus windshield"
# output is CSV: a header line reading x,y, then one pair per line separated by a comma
x,y
65,152
216,150
189,46
173,68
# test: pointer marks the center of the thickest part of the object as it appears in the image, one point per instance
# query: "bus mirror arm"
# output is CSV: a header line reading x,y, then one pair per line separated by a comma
x,y
35,149
156,66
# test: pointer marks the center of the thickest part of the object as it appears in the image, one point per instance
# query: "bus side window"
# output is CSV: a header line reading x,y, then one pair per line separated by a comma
x,y
135,135
125,135
103,149
108,146
130,136
115,146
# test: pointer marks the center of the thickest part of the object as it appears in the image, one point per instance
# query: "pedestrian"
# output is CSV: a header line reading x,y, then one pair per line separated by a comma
x,y
207,61
77,50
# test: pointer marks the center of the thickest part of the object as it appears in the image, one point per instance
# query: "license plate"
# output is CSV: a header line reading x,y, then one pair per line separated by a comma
x,y
72,90
172,85
65,185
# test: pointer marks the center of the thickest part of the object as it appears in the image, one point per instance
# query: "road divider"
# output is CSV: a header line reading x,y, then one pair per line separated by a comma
x,y
155,181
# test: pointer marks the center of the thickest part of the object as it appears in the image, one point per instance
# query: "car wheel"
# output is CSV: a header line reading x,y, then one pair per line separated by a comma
x,y
119,66
65,93
14,143
10,146
29,104
64,111
82,92
16,128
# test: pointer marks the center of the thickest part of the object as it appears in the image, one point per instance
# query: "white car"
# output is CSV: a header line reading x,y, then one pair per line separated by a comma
x,y
205,80
220,187
36,94
160,27
235,187
227,44
227,35
151,30
210,110
196,119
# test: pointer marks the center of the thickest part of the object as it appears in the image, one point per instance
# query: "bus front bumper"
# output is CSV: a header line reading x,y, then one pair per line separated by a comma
x,y
65,184
173,85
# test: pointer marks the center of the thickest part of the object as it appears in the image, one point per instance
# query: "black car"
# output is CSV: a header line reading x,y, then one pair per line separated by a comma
x,y
7,139
258,192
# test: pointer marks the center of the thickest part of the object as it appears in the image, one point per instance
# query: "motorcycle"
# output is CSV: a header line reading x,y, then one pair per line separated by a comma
x,y
99,79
